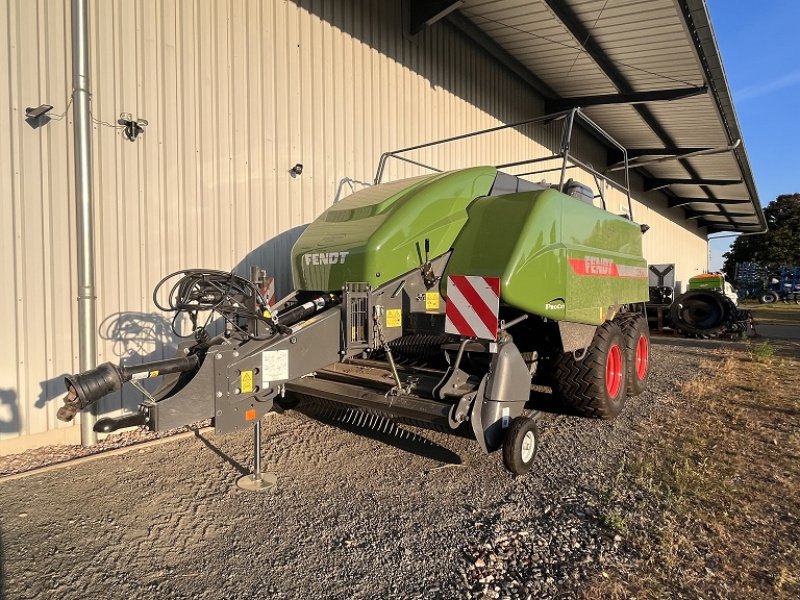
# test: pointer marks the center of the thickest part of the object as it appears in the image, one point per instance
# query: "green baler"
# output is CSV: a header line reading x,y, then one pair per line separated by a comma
x,y
432,301
556,256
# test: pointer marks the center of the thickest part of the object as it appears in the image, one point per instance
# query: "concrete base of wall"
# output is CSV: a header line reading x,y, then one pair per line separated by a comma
x,y
58,437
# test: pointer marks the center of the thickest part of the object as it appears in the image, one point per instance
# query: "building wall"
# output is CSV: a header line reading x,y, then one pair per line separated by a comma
x,y
236,92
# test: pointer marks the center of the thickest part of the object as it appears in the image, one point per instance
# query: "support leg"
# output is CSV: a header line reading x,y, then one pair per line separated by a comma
x,y
257,481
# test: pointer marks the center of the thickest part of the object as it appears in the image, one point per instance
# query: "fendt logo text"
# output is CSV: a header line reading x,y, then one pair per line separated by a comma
x,y
595,265
325,258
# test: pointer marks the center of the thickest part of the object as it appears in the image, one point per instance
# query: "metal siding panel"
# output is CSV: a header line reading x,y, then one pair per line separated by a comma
x,y
35,217
10,242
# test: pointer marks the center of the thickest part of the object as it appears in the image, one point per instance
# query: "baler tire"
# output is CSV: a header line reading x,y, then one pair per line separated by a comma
x,y
584,384
637,342
520,445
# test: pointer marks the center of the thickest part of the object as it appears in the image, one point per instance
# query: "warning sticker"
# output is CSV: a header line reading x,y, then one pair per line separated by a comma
x,y
136,376
247,382
394,317
432,301
153,374
275,365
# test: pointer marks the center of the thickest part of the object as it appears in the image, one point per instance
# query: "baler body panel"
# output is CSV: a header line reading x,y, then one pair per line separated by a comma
x,y
556,256
379,233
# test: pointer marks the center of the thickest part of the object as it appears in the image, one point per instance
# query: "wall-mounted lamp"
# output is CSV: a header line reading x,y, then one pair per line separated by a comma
x,y
37,116
132,129
296,170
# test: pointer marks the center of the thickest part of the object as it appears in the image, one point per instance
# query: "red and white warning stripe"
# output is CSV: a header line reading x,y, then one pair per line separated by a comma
x,y
473,306
268,290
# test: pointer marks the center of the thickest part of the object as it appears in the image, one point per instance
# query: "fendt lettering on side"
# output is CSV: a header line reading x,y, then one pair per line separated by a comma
x,y
325,258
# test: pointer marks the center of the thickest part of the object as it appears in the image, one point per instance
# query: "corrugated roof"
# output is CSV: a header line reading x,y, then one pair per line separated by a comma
x,y
580,48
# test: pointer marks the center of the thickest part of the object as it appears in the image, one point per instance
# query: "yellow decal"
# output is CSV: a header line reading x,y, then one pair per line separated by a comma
x,y
394,317
267,314
432,301
153,374
247,382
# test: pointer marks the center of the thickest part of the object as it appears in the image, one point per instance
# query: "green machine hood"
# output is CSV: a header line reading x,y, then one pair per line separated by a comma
x,y
379,233
707,281
556,256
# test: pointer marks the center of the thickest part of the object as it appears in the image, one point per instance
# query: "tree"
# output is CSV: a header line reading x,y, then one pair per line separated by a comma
x,y
780,246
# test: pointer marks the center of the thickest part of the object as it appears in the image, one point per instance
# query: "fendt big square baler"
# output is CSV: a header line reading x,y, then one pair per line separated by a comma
x,y
434,301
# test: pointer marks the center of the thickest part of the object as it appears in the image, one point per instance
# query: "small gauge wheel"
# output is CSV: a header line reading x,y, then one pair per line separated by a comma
x,y
520,445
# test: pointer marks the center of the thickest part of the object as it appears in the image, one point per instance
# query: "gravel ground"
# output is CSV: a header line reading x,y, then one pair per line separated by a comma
x,y
422,515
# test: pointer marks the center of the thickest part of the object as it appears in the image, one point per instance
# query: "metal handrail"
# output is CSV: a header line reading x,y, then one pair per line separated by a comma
x,y
568,116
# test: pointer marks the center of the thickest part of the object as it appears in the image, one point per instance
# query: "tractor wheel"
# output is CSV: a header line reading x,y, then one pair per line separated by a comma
x,y
768,298
520,445
637,342
596,385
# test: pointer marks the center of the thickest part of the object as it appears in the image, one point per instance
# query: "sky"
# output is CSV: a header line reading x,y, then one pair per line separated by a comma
x,y
761,57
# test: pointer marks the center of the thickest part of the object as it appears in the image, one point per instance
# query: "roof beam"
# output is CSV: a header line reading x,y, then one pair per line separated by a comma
x,y
729,226
676,202
652,183
637,152
424,13
631,98
583,36
478,37
699,214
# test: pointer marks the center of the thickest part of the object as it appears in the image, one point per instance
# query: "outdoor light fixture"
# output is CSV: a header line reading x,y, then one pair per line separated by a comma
x,y
132,129
36,117
296,170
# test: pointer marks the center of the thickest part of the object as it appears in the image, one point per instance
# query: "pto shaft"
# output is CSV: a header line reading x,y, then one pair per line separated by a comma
x,y
84,389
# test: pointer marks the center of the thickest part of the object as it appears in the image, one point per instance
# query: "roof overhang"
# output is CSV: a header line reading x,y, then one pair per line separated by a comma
x,y
650,73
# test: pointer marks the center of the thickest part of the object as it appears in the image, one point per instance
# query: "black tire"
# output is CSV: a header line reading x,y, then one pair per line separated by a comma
x,y
596,385
768,298
701,312
637,344
520,445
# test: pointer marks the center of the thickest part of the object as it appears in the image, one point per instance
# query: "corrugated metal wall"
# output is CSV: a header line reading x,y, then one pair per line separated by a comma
x,y
236,92
37,247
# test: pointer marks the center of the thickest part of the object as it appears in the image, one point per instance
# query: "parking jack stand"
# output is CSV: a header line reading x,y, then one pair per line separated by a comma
x,y
257,481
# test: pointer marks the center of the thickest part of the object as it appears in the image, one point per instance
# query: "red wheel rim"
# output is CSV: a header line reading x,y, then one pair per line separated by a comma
x,y
614,370
642,357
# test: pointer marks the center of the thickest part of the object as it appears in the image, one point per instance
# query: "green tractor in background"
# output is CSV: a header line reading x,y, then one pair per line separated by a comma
x,y
710,308
432,301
